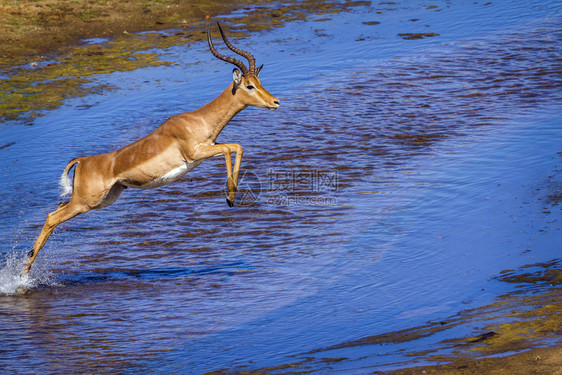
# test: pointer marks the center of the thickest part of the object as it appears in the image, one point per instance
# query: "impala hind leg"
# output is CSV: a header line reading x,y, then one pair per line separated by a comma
x,y
64,212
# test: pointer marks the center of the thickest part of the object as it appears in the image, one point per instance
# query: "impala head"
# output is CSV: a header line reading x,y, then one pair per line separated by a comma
x,y
246,83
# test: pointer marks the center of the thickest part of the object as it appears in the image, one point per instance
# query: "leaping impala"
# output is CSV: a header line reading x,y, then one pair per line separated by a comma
x,y
177,146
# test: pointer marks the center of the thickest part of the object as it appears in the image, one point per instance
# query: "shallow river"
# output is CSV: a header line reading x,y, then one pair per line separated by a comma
x,y
398,177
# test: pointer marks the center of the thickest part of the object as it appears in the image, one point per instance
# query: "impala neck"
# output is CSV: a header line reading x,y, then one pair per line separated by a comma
x,y
221,110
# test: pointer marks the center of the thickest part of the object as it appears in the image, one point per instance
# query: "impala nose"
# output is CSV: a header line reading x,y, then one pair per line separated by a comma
x,y
273,104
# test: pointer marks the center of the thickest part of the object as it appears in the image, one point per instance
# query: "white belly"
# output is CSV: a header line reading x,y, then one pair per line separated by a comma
x,y
171,176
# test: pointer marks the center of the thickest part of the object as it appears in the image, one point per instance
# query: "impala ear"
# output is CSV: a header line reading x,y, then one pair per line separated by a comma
x,y
258,70
237,79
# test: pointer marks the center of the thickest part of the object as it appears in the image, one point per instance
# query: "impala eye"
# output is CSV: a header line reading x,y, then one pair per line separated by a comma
x,y
250,87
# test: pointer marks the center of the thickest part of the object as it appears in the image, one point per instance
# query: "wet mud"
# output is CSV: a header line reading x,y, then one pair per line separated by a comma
x,y
33,28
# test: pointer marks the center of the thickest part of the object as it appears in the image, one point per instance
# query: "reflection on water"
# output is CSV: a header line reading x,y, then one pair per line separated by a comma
x,y
390,192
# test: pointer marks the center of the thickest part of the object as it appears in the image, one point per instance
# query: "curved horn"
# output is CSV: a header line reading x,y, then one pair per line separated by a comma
x,y
231,60
247,55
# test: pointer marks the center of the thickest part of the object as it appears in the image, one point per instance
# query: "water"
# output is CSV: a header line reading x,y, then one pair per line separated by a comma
x,y
397,178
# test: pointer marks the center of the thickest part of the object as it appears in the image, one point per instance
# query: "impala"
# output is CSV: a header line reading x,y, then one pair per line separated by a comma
x,y
177,146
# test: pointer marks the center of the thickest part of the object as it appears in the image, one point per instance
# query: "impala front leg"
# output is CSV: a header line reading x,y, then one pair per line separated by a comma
x,y
232,174
233,178
206,151
237,149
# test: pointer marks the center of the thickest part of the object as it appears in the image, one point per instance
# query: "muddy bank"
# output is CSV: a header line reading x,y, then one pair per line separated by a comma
x,y
547,361
36,27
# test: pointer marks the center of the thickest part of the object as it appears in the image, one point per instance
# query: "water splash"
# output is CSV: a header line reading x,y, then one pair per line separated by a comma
x,y
12,281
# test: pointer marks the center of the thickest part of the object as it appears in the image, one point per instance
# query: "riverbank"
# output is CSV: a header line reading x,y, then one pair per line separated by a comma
x,y
547,361
30,28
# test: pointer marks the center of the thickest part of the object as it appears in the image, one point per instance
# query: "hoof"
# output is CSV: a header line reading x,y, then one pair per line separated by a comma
x,y
230,203
30,254
21,290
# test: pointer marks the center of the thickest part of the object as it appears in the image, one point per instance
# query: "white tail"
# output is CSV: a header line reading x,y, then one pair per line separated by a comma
x,y
66,187
64,182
